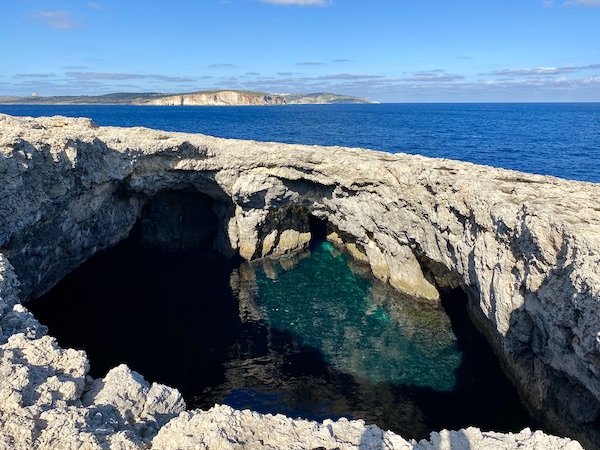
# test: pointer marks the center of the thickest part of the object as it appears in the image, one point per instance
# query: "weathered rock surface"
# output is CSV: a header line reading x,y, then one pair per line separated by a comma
x,y
247,98
525,248
250,430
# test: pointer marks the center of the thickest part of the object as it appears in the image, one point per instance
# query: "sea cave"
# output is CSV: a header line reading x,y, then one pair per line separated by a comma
x,y
309,334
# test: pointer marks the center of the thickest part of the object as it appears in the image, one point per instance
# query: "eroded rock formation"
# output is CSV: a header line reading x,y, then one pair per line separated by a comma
x,y
525,248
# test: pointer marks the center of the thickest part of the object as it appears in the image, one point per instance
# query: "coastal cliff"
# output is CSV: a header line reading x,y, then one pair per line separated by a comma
x,y
218,98
226,97
525,248
248,98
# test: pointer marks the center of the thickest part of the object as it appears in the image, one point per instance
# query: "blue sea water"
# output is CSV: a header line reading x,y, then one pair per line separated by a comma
x,y
560,139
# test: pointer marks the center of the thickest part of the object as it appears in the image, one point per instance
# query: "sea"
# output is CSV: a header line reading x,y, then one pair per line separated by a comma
x,y
315,336
558,139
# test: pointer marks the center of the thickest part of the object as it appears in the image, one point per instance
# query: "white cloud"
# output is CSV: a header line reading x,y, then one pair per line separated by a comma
x,y
534,71
349,76
59,20
537,84
435,76
298,2
33,75
94,5
126,76
541,70
584,3
221,65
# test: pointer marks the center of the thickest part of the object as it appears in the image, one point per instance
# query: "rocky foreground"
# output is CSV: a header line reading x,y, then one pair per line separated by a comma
x,y
525,248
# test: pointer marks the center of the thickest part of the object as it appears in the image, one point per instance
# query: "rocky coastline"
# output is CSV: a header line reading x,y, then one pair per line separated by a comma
x,y
525,248
226,97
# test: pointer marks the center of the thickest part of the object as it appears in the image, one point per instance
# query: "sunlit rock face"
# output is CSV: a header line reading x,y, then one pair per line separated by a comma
x,y
525,248
219,98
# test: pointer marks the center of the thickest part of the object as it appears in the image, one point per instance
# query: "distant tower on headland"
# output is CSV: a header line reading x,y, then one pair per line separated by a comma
x,y
34,94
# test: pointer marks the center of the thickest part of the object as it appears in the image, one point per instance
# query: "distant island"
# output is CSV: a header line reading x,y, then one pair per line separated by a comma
x,y
201,98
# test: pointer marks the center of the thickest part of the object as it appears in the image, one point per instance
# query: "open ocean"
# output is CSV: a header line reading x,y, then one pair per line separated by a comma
x,y
560,139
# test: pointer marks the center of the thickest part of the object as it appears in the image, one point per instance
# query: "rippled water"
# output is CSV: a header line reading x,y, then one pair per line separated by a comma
x,y
560,139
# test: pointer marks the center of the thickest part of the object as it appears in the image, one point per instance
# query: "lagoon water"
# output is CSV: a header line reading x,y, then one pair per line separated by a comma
x,y
313,337
559,139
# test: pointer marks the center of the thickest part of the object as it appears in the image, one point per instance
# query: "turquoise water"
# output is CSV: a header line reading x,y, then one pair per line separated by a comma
x,y
307,336
338,312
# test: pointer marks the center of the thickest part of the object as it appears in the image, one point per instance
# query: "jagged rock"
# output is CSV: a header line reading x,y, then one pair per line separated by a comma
x,y
143,407
473,438
46,403
226,428
525,248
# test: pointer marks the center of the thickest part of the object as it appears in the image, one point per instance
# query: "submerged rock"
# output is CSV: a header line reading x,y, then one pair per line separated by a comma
x,y
525,248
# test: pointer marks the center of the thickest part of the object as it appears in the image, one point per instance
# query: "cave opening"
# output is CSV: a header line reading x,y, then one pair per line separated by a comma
x,y
309,334
318,229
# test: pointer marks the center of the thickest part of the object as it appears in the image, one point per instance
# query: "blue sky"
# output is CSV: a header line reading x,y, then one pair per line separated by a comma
x,y
385,50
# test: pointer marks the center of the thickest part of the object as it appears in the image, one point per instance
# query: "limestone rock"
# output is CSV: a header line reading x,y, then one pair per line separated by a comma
x,y
225,428
472,438
218,98
145,408
526,249
14,318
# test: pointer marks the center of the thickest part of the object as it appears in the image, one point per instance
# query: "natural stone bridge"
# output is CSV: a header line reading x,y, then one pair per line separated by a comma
x,y
525,248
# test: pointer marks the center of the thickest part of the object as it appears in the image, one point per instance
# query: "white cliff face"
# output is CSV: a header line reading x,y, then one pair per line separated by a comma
x,y
525,248
219,98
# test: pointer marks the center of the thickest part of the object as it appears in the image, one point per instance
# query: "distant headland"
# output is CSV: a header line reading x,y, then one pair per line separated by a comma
x,y
200,98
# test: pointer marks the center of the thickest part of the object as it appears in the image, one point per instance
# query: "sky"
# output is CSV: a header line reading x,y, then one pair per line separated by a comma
x,y
384,50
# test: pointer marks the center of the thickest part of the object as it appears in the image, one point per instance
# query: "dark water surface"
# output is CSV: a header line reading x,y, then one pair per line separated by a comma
x,y
560,139
307,337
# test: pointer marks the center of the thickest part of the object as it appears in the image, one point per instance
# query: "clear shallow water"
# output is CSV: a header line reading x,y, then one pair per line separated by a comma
x,y
308,338
560,139
340,314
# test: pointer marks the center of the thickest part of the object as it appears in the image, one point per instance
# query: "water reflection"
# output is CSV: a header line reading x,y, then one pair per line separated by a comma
x,y
341,314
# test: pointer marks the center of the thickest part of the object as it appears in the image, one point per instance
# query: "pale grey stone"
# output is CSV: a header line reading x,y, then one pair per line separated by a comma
x,y
525,248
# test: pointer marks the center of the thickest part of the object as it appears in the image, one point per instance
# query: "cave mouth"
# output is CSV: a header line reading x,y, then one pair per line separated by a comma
x,y
304,335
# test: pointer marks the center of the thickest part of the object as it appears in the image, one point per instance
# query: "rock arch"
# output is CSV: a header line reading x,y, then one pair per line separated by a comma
x,y
525,248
